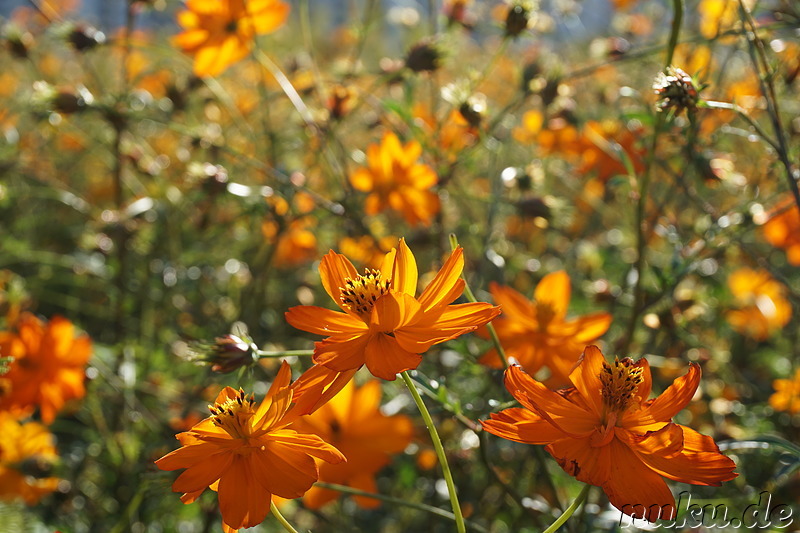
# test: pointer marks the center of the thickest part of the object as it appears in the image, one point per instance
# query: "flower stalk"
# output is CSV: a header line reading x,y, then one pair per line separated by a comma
x,y
569,511
285,523
437,445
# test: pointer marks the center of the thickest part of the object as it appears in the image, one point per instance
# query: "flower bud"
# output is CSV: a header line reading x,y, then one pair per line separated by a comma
x,y
676,90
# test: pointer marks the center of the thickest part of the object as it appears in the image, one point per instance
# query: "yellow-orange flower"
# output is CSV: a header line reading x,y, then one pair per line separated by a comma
x,y
782,230
48,366
537,333
395,179
383,325
604,431
353,423
218,33
246,453
762,304
25,444
787,394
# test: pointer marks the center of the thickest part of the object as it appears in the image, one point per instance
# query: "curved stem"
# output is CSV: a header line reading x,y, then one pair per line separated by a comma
x,y
388,499
471,297
285,523
437,445
570,510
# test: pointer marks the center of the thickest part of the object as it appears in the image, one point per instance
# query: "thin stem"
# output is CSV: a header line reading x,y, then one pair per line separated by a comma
x,y
285,523
437,445
397,501
570,510
266,354
744,116
471,297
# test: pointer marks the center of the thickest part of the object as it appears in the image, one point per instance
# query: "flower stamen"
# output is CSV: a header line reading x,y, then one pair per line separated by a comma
x,y
360,294
234,415
620,383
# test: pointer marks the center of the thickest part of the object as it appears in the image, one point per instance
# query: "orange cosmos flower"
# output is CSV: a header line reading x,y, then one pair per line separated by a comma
x,y
396,180
762,304
352,422
246,453
383,325
782,230
218,33
787,394
27,444
48,366
537,333
604,431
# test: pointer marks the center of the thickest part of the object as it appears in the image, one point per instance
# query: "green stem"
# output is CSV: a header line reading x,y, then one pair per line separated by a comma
x,y
266,354
285,523
397,501
437,444
471,297
570,510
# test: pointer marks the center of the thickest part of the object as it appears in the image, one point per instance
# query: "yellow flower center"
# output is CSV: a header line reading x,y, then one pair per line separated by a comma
x,y
619,383
234,415
360,294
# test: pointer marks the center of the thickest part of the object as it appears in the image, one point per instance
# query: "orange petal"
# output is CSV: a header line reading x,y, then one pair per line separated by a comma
x,y
333,270
635,489
585,329
554,290
697,460
404,270
315,387
361,180
366,483
394,310
204,473
321,321
451,322
441,290
521,425
187,456
385,358
515,306
243,502
677,395
341,354
283,470
579,459
310,444
317,496
586,378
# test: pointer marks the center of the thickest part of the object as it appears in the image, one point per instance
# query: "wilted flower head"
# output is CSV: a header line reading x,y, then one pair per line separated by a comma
x,y
424,57
676,90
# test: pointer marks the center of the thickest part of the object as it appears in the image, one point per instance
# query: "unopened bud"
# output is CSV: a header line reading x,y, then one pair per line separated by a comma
x,y
676,90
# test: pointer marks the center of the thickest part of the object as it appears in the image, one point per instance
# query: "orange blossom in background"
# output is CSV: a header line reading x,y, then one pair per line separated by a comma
x,y
30,444
395,179
383,325
47,368
787,394
782,230
604,431
218,33
762,307
352,421
537,333
246,453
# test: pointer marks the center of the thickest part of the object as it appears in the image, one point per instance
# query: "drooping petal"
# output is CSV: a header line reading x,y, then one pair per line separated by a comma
x,y
554,291
283,470
681,454
635,489
333,270
521,425
586,378
321,321
385,358
243,501
677,395
307,443
341,354
447,282
203,473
